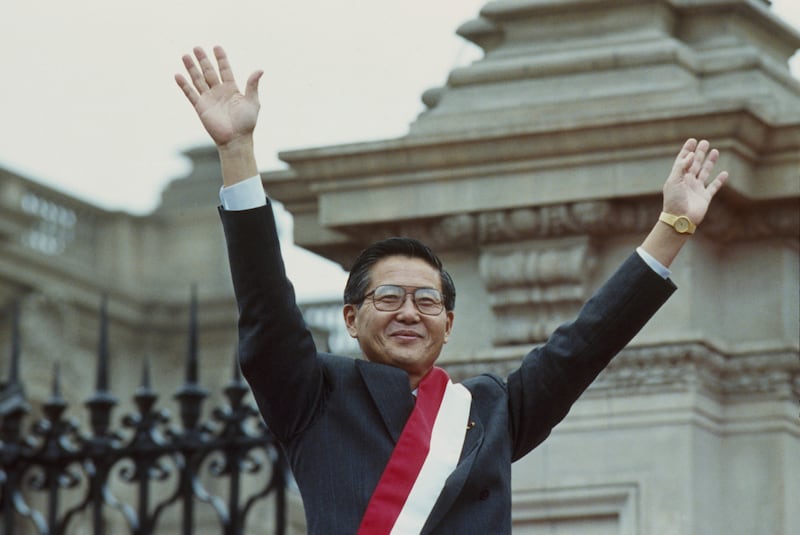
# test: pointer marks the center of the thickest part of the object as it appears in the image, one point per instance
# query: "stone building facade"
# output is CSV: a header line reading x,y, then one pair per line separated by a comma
x,y
533,171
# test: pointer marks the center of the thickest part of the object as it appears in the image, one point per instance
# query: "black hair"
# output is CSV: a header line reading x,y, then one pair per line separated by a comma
x,y
359,279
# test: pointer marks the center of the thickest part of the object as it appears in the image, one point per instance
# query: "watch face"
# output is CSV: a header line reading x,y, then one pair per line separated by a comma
x,y
681,225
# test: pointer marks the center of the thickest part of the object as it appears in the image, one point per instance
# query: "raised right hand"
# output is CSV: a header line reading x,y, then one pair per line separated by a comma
x,y
227,115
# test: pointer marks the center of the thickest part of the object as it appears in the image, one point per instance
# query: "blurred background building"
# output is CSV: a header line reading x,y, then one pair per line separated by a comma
x,y
534,171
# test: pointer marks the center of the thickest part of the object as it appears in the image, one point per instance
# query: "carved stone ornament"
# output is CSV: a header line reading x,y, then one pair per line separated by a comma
x,y
725,222
534,288
691,365
518,224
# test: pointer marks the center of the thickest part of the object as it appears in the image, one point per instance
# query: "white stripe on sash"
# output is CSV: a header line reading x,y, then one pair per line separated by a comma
x,y
447,441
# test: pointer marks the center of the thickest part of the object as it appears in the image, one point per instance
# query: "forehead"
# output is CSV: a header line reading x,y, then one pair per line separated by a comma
x,y
404,271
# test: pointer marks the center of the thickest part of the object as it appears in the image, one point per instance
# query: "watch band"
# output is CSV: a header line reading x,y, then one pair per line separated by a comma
x,y
681,223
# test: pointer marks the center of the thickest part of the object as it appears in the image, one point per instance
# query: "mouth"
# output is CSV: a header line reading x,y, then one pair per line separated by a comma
x,y
405,336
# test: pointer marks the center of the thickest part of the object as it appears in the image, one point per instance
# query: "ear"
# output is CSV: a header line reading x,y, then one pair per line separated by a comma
x,y
349,312
451,316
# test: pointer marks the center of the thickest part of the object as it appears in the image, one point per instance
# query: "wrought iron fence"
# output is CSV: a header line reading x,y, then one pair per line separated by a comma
x,y
57,457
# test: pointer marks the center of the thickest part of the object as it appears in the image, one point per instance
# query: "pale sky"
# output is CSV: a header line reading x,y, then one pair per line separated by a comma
x,y
89,105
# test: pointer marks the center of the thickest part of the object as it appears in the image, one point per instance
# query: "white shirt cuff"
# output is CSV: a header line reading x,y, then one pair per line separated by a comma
x,y
243,195
654,264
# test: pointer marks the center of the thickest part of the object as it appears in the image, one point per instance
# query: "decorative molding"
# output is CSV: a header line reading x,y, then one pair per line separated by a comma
x,y
540,264
779,219
726,223
676,367
535,287
460,231
690,365
614,506
551,221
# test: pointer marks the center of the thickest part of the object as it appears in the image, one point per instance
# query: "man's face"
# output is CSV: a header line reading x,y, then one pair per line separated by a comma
x,y
405,338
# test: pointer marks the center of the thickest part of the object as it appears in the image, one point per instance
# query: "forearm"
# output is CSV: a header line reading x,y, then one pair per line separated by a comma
x,y
663,243
555,374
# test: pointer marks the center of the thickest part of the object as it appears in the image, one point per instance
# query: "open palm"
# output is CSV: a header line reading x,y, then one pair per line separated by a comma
x,y
685,191
225,112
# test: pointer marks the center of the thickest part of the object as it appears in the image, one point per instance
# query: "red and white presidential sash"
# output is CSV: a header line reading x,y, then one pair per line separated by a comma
x,y
425,455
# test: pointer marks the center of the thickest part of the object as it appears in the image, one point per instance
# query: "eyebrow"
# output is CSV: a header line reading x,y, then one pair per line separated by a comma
x,y
405,287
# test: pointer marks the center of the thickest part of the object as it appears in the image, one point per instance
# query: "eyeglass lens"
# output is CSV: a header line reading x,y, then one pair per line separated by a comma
x,y
388,298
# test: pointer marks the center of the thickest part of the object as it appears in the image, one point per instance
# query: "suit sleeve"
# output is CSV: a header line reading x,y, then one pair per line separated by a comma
x,y
553,376
276,350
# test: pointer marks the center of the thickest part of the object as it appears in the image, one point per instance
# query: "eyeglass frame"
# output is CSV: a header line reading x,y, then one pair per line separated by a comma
x,y
408,290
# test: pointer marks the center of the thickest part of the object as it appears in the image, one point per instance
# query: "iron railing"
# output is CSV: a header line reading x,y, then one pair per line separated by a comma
x,y
119,474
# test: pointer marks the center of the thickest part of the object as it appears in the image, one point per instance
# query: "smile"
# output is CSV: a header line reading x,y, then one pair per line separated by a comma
x,y
406,335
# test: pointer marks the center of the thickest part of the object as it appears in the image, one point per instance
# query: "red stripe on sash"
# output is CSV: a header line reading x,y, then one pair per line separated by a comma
x,y
407,458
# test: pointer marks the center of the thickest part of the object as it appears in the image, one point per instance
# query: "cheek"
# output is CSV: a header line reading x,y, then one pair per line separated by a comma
x,y
368,326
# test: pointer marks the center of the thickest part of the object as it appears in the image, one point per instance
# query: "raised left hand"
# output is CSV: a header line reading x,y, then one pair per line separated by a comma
x,y
686,191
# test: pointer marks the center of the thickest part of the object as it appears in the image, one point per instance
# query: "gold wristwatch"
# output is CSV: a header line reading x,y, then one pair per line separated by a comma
x,y
681,223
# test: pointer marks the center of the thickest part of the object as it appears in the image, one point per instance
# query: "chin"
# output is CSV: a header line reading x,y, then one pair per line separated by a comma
x,y
412,367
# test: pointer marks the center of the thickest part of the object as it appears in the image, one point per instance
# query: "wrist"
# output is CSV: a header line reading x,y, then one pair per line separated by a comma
x,y
237,159
236,147
679,223
664,244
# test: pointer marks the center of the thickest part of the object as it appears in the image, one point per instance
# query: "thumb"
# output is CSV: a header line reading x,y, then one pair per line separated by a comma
x,y
251,89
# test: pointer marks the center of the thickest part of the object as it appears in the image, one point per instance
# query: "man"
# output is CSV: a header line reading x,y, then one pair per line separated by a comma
x,y
389,444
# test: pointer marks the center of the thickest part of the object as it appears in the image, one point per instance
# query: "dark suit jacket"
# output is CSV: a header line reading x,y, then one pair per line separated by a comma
x,y
338,418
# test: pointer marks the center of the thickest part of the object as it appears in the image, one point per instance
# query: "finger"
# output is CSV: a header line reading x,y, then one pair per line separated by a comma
x,y
251,89
688,147
717,184
209,74
708,165
187,89
699,157
225,71
702,150
195,74
682,164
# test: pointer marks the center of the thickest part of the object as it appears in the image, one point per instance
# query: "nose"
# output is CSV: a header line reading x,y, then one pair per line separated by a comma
x,y
409,308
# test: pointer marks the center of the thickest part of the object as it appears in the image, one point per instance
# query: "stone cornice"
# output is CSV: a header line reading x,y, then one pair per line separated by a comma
x,y
727,222
677,367
544,140
323,186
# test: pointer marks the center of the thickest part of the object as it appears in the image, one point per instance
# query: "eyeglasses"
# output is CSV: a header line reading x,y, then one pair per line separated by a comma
x,y
389,298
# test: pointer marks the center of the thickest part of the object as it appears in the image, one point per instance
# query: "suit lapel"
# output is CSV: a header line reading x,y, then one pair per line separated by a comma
x,y
390,391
